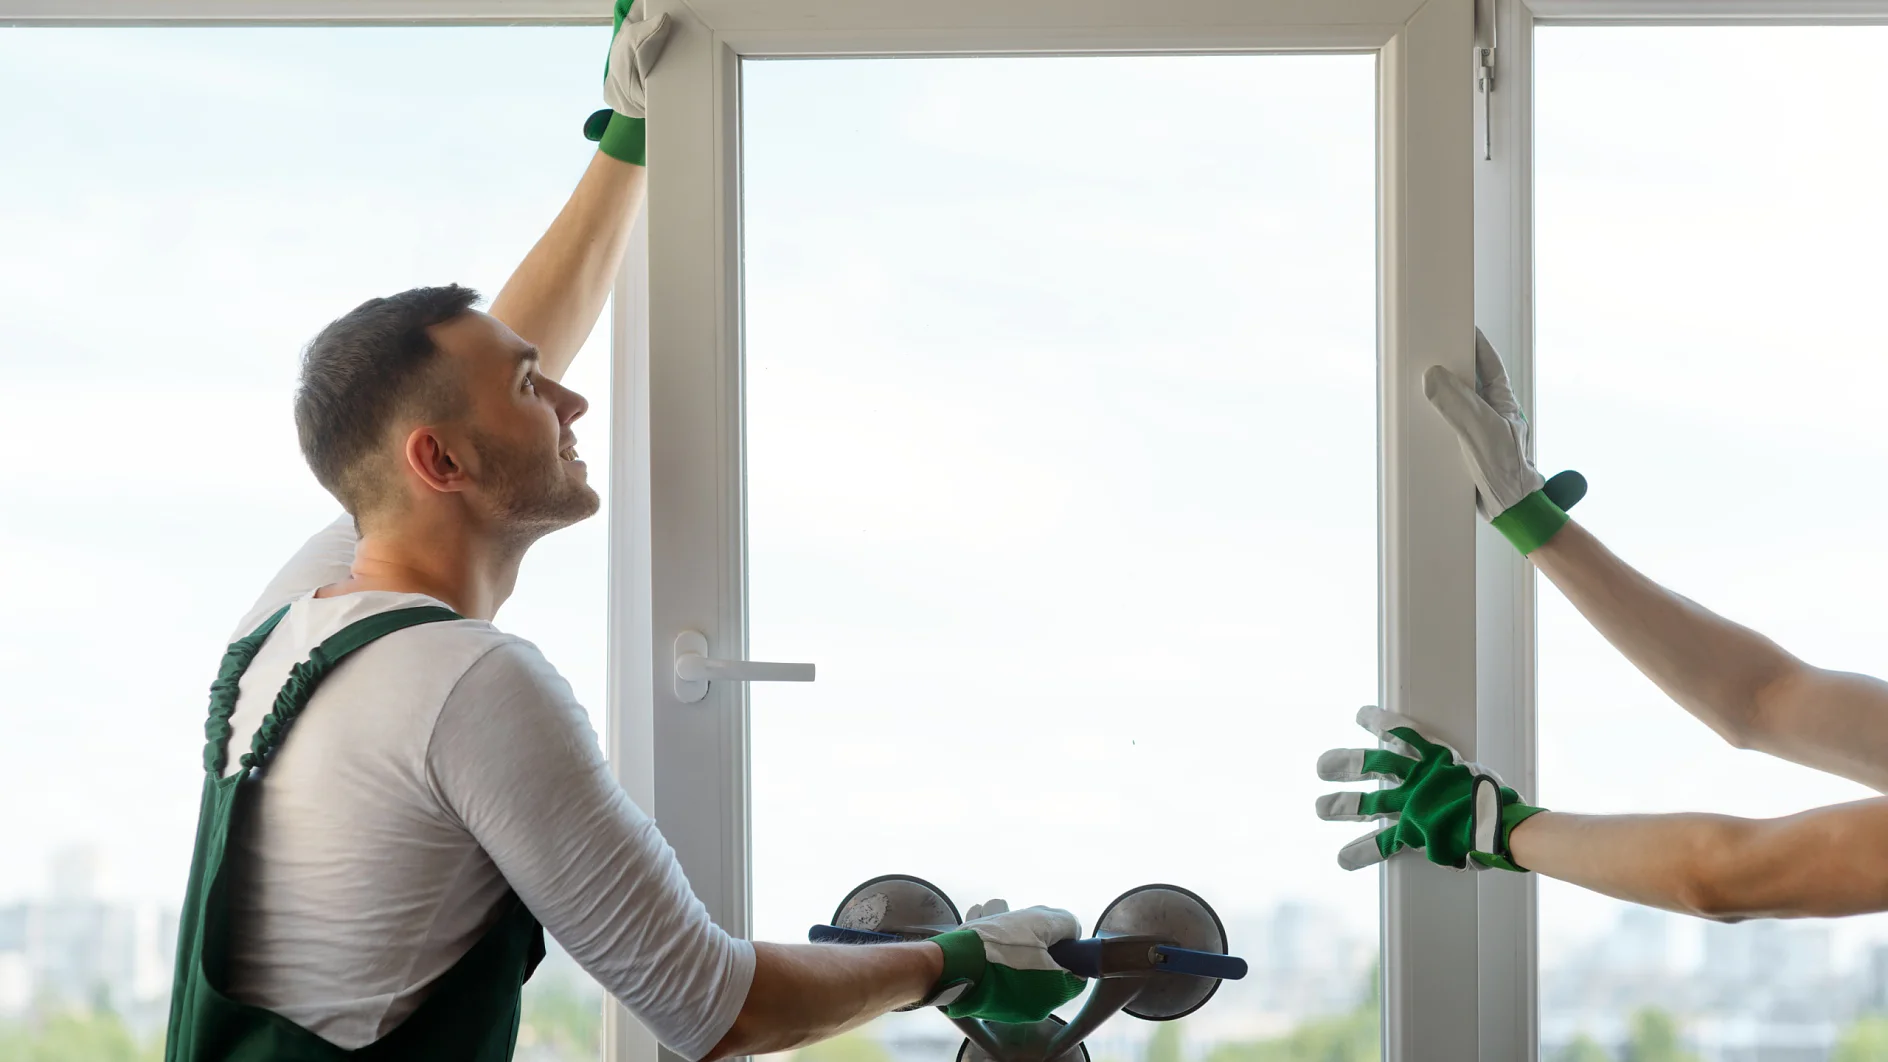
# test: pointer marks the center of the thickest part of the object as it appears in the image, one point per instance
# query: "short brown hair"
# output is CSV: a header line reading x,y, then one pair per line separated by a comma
x,y
365,369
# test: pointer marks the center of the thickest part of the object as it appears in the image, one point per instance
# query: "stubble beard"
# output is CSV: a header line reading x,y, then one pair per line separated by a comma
x,y
532,497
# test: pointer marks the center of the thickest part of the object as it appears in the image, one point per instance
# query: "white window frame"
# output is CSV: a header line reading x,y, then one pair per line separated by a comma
x,y
1427,521
302,12
1504,309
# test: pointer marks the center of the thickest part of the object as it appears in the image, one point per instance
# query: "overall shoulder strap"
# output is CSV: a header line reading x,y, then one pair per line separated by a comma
x,y
305,677
224,690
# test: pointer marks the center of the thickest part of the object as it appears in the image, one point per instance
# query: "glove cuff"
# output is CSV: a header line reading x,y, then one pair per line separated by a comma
x,y
1513,813
619,136
964,963
1530,522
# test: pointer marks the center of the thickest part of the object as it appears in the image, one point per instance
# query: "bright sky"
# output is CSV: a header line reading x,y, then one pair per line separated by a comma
x,y
1062,431
1062,467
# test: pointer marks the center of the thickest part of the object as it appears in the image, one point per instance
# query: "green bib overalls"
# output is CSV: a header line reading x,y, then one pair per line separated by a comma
x,y
472,1011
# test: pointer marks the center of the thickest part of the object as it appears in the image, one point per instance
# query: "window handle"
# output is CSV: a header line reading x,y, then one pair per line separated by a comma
x,y
695,669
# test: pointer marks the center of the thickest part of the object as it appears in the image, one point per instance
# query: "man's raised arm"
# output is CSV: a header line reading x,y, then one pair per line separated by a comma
x,y
553,298
555,295
1738,682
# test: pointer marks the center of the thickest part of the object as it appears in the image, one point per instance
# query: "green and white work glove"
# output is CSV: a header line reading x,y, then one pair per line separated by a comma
x,y
619,130
1493,431
1458,813
997,965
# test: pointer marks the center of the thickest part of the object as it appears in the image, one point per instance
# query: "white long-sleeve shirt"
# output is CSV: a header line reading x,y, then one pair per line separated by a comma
x,y
433,772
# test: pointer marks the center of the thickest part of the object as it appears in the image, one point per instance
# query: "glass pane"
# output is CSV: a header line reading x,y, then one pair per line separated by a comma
x,y
181,210
1061,407
1709,354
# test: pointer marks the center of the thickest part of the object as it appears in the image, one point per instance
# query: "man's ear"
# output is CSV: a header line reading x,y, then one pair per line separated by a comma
x,y
428,455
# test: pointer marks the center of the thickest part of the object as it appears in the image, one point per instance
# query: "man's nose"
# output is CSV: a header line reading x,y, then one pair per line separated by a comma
x,y
570,404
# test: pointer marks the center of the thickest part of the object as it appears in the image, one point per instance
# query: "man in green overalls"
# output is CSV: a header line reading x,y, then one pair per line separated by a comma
x,y
421,796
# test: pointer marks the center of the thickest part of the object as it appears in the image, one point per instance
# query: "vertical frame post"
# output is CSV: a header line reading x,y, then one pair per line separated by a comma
x,y
698,782
631,731
1426,131
1504,310
695,464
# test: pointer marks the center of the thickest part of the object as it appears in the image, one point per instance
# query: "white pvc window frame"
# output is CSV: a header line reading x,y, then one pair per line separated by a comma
x,y
1457,604
1504,309
1428,531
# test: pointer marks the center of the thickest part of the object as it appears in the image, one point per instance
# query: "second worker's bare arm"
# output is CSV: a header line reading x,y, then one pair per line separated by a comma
x,y
1825,863
1738,682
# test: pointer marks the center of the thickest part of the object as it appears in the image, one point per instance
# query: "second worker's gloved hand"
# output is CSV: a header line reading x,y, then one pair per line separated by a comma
x,y
1493,431
1458,813
997,965
634,49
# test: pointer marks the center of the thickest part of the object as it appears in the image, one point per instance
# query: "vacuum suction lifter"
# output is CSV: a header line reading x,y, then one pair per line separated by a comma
x,y
1159,953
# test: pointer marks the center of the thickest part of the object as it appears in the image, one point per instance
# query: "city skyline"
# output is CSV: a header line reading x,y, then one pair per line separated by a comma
x,y
1730,988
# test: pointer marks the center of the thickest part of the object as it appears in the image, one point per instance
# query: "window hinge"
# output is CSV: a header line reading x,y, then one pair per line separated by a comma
x,y
1484,82
1487,32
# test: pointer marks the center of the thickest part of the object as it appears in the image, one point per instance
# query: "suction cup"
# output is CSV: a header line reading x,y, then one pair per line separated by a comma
x,y
1174,916
909,907
1026,1041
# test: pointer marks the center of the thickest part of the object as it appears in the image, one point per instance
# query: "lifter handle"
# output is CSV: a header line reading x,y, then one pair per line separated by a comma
x,y
836,935
1117,956
1083,958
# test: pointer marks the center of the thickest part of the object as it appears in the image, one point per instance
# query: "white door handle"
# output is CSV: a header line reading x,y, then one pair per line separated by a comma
x,y
695,669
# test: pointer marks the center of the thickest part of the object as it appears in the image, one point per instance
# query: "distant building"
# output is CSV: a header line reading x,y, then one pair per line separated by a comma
x,y
1305,961
16,983
74,949
1640,945
1774,970
1762,991
1875,997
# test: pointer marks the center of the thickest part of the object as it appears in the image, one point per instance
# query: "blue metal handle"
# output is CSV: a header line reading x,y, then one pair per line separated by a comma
x,y
1079,957
1200,963
836,935
1082,958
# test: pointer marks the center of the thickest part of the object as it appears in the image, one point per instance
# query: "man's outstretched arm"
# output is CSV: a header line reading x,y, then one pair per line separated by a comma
x,y
1740,683
1824,863
804,993
996,966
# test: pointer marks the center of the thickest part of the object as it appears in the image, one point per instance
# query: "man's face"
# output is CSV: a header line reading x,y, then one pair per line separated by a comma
x,y
524,459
